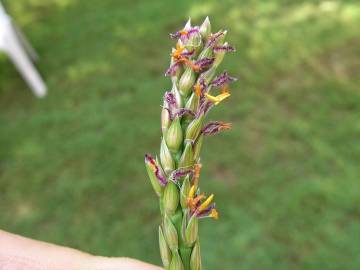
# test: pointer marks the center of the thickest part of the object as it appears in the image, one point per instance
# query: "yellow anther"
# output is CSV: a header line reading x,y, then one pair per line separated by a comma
x,y
205,204
183,32
197,199
224,89
217,99
153,166
197,89
191,201
197,170
179,50
192,192
189,63
214,214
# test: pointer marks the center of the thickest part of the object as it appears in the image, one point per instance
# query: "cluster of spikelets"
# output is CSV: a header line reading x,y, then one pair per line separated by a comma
x,y
175,174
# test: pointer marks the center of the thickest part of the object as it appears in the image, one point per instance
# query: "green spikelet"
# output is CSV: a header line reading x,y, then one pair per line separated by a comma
x,y
154,181
164,250
194,129
197,147
187,158
176,262
171,198
174,136
166,158
195,260
191,231
186,82
170,234
185,188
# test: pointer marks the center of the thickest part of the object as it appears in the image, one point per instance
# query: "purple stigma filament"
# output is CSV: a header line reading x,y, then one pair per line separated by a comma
x,y
170,99
224,48
183,35
206,212
172,69
204,107
215,127
177,174
214,39
188,53
184,111
223,79
204,63
157,171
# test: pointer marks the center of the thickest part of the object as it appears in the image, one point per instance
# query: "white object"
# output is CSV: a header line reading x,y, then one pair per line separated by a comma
x,y
19,50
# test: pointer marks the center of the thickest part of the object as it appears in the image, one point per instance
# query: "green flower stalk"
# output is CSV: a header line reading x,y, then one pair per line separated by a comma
x,y
175,175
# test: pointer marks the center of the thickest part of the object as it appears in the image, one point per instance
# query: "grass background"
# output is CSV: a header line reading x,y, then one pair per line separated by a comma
x,y
286,177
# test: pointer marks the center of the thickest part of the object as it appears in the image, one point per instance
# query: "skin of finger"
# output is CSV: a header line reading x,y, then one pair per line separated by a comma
x,y
19,252
106,263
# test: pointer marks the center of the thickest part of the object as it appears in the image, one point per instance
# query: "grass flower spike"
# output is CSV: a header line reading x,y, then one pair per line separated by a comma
x,y
175,175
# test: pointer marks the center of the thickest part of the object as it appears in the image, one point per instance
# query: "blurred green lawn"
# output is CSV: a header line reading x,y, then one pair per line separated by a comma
x,y
286,177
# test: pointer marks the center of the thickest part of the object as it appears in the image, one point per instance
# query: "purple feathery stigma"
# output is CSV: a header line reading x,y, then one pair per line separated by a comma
x,y
175,35
203,87
172,69
171,103
171,117
207,106
204,63
188,53
224,48
177,174
214,127
170,99
160,176
184,34
192,31
204,107
206,212
214,39
158,172
202,83
181,112
222,79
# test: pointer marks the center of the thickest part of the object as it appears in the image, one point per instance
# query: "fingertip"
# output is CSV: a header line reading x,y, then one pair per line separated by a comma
x,y
123,263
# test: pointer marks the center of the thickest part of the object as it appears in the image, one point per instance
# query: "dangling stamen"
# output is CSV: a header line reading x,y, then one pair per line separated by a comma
x,y
197,89
205,204
217,99
214,214
189,63
179,50
192,192
192,203
197,170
